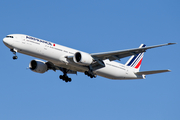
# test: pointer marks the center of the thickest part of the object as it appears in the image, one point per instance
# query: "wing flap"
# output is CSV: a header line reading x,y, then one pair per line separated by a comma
x,y
151,72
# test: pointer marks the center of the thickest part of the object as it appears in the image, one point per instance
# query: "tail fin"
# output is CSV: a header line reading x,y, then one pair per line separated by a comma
x,y
135,60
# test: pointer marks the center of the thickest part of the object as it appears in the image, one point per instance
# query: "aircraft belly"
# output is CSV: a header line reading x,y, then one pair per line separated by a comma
x,y
111,72
116,73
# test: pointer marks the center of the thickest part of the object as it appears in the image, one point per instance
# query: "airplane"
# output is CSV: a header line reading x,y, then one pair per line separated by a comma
x,y
71,61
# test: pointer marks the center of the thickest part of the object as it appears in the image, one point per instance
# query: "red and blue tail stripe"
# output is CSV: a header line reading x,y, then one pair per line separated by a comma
x,y
135,60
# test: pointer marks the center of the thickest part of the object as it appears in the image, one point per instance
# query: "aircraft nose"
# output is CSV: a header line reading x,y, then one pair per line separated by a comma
x,y
7,42
4,40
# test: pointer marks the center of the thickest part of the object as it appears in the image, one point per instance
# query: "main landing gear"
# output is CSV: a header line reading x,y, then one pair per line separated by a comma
x,y
14,52
90,72
65,77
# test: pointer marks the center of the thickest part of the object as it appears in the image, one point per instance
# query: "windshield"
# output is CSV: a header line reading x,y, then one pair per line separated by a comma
x,y
9,36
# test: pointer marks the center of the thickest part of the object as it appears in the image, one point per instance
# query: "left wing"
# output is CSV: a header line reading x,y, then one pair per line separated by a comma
x,y
117,55
53,67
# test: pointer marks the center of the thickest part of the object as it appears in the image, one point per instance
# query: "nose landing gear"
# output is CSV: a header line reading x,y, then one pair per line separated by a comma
x,y
14,52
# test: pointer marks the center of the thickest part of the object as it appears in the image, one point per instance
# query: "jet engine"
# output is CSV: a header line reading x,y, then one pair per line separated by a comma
x,y
82,58
38,66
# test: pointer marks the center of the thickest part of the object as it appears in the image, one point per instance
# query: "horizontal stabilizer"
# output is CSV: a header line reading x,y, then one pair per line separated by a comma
x,y
151,72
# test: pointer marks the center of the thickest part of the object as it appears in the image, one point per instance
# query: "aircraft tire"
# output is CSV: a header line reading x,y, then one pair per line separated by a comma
x,y
65,78
15,57
60,77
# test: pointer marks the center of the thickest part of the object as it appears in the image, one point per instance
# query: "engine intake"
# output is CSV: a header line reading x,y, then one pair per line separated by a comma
x,y
82,58
38,66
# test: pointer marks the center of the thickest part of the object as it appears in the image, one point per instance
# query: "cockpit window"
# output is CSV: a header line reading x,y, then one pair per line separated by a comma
x,y
9,36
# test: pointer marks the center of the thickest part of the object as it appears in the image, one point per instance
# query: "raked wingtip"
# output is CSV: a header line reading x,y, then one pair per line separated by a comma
x,y
171,43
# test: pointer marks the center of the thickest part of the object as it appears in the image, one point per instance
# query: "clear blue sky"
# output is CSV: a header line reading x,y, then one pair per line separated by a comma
x,y
92,26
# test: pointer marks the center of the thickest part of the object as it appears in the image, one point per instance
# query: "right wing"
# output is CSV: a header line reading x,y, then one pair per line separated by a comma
x,y
117,55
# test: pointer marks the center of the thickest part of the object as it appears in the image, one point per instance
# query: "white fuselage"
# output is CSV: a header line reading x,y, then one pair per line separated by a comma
x,y
57,55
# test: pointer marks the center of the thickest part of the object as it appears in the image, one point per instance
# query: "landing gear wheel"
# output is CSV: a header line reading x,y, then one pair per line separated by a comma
x,y
69,79
15,57
65,78
66,81
90,74
60,77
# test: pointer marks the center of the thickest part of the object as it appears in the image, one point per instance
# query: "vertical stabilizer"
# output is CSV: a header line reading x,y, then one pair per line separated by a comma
x,y
135,60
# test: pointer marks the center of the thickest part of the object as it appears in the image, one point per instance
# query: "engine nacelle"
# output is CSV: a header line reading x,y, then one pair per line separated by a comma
x,y
38,66
82,58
